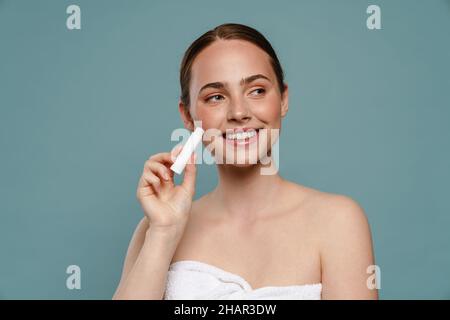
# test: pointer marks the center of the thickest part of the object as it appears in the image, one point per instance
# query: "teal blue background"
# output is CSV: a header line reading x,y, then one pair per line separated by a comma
x,y
81,111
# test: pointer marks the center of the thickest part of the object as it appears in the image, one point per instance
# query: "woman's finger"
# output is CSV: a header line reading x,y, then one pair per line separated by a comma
x,y
160,169
152,181
163,157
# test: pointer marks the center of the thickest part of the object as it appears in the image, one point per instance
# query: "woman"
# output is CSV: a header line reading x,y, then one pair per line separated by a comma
x,y
254,235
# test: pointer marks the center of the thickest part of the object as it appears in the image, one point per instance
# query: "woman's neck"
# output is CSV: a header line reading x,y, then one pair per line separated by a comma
x,y
245,193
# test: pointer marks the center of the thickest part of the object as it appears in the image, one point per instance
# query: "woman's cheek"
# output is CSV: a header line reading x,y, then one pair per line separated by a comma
x,y
209,123
269,112
209,117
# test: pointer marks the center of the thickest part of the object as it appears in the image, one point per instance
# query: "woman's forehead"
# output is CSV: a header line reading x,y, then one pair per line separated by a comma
x,y
229,61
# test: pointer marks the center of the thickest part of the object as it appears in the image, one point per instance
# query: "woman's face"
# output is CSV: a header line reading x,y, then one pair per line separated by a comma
x,y
222,100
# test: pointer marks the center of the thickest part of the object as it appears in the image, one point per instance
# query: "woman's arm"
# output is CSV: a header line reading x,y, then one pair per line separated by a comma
x,y
167,208
346,251
146,265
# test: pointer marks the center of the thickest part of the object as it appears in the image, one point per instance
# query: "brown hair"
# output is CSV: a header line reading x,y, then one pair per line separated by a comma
x,y
226,31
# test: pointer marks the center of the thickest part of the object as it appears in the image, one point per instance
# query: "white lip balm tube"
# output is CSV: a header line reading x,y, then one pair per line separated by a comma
x,y
192,143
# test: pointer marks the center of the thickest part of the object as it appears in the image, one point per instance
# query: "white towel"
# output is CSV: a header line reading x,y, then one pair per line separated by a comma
x,y
195,280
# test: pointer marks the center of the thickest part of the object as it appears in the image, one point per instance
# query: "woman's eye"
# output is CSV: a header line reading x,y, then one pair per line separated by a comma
x,y
260,89
211,97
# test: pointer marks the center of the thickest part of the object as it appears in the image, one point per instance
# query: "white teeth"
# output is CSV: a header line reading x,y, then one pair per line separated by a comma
x,y
241,135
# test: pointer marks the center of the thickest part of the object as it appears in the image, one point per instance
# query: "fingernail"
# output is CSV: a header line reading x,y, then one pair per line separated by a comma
x,y
166,176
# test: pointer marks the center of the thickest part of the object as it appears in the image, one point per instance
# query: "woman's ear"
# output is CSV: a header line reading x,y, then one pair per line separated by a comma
x,y
186,116
285,101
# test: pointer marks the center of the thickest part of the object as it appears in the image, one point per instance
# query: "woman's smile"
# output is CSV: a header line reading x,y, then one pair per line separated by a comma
x,y
241,137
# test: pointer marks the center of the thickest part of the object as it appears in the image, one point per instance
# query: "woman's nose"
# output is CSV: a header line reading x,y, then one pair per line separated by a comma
x,y
238,111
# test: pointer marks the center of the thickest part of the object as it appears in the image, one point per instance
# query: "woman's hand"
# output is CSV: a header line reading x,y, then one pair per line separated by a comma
x,y
166,205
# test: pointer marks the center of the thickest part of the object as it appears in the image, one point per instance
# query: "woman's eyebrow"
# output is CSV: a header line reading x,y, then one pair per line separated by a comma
x,y
253,78
221,85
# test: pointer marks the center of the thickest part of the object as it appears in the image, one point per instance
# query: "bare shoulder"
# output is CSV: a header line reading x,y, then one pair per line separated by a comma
x,y
342,217
329,210
333,218
200,212
200,205
203,206
341,227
